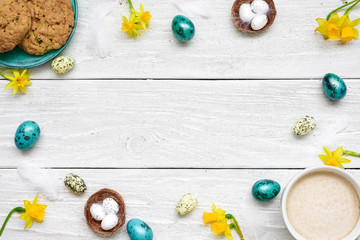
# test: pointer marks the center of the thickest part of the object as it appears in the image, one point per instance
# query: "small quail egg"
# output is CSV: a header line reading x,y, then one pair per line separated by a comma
x,y
110,206
109,222
97,212
75,183
245,13
62,64
259,22
304,126
259,7
186,204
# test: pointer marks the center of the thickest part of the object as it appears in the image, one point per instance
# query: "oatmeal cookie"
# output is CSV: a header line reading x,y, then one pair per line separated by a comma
x,y
52,23
15,23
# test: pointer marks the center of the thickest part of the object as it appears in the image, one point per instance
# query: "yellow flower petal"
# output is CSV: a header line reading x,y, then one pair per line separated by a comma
x,y
338,152
209,217
28,222
328,153
228,234
324,158
334,18
355,22
340,166
344,160
356,33
23,89
16,73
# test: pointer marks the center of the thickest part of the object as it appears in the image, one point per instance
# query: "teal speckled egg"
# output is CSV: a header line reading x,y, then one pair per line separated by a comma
x,y
334,87
27,134
265,190
139,230
183,28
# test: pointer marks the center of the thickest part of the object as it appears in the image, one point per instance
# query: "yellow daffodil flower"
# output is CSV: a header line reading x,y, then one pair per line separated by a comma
x,y
218,214
131,27
348,30
144,17
334,159
219,219
33,212
18,81
137,21
330,28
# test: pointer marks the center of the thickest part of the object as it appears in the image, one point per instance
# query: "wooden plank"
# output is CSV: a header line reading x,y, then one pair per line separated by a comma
x,y
289,49
151,195
177,124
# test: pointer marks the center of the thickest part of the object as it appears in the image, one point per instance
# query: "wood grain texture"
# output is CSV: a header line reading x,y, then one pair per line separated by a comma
x,y
289,49
178,124
151,195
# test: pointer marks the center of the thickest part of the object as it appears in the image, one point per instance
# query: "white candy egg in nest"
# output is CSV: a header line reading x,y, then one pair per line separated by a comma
x,y
97,212
110,206
245,13
109,222
259,22
259,7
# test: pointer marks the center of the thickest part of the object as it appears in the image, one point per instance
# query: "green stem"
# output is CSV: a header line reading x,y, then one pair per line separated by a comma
x,y
17,209
349,9
345,5
2,74
131,6
351,153
235,225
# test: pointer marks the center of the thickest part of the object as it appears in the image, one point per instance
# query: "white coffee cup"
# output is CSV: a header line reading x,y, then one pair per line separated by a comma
x,y
356,231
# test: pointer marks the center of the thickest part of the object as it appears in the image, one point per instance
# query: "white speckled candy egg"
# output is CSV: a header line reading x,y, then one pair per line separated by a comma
x,y
186,204
259,22
97,212
110,206
304,126
109,222
259,7
245,13
62,64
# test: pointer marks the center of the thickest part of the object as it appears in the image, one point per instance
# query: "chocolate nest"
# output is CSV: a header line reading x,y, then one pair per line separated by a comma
x,y
99,197
245,27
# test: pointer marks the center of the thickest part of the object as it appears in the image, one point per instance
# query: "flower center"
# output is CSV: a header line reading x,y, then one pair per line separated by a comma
x,y
333,31
21,81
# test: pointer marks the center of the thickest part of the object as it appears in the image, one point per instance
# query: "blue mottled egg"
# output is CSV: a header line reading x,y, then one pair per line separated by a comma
x,y
183,28
265,190
27,134
334,87
139,230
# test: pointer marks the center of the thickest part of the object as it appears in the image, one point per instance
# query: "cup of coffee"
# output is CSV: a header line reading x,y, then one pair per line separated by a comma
x,y
322,203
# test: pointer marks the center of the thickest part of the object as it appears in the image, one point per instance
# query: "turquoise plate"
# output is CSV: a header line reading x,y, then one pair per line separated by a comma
x,y
18,58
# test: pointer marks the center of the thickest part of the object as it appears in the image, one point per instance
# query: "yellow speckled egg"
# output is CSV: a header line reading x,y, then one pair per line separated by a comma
x,y
62,64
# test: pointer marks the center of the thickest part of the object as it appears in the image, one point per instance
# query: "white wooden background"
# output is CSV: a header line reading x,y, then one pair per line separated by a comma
x,y
158,119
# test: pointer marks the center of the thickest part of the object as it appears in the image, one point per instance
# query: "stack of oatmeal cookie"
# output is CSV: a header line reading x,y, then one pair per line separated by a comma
x,y
37,26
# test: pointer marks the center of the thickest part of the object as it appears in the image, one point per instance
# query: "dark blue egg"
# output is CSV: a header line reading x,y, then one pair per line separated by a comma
x,y
183,28
265,190
334,87
27,134
139,230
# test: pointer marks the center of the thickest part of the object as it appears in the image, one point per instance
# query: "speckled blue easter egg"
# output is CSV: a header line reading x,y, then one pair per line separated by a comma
x,y
334,87
183,28
265,190
27,134
139,230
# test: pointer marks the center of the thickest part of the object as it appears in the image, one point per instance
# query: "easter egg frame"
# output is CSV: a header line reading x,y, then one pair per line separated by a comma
x,y
245,27
98,197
